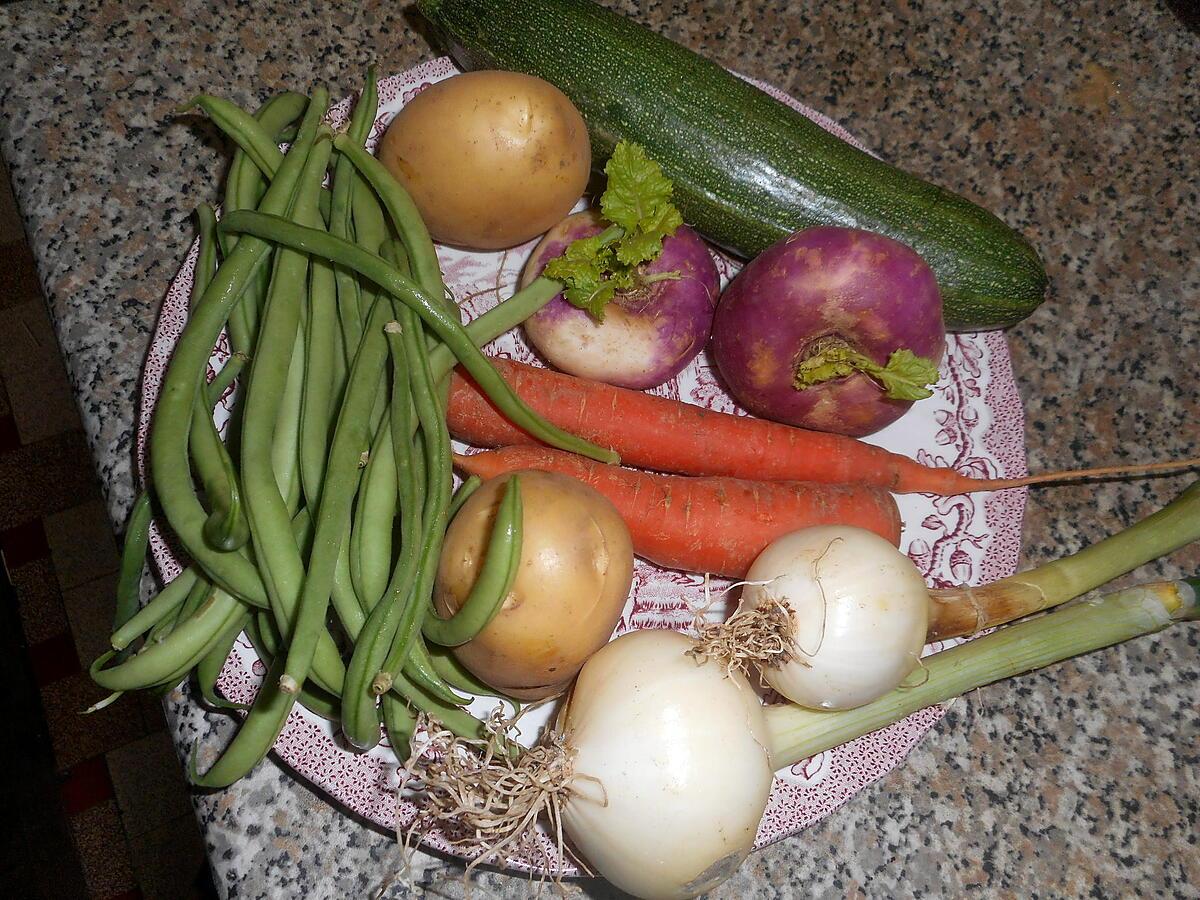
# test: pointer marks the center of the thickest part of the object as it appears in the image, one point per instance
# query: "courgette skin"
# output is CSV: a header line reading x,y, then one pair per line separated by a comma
x,y
748,170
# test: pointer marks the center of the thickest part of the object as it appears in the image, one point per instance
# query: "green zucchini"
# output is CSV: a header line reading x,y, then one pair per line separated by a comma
x,y
748,170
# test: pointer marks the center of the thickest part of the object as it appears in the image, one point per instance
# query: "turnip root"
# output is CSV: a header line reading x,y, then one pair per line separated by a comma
x,y
833,329
648,334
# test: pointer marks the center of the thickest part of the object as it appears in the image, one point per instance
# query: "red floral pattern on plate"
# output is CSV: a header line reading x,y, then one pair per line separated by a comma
x,y
974,422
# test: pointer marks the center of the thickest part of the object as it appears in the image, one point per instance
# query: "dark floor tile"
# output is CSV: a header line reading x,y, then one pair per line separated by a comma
x,y
90,610
81,542
166,859
39,601
32,367
15,882
102,850
51,869
150,788
85,785
53,659
18,275
44,478
35,842
24,542
76,736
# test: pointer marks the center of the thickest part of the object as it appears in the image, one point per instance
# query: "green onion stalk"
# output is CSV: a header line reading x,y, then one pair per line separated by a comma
x,y
796,733
966,610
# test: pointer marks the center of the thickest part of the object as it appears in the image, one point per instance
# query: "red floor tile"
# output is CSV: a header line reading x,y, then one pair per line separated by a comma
x,y
86,785
24,543
54,659
10,439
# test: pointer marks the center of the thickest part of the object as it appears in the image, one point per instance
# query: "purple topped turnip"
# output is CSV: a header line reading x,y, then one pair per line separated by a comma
x,y
832,329
649,332
639,288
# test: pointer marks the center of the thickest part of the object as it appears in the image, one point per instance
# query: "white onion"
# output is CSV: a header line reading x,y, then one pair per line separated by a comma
x,y
861,614
672,771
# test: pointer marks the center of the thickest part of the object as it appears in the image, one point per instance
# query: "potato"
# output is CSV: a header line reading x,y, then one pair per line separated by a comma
x,y
574,575
491,159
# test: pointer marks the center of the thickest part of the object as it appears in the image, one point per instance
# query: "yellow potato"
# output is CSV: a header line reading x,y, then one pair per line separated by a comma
x,y
574,576
491,159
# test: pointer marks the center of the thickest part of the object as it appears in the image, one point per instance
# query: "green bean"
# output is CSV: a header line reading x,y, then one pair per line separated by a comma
x,y
206,256
272,385
400,724
181,649
350,608
285,439
265,636
244,190
323,206
324,704
360,718
228,374
457,720
225,528
371,537
496,574
440,483
161,606
257,734
239,125
324,371
370,231
378,270
161,629
312,698
462,494
133,560
244,187
169,434
500,319
302,530
408,448
350,304
200,592
423,260
324,378
208,669
288,673
244,184
420,671
458,677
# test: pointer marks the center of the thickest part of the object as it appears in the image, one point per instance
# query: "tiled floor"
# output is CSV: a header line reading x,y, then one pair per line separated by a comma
x,y
96,805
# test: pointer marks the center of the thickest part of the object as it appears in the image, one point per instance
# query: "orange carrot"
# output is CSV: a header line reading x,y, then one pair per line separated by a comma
x,y
714,525
669,436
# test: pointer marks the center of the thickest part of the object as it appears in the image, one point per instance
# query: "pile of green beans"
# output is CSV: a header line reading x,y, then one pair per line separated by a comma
x,y
316,527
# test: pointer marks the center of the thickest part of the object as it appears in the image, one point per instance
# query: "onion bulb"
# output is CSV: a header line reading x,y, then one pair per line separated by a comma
x,y
860,610
671,768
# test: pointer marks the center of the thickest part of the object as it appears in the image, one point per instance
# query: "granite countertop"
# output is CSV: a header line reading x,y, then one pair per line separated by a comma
x,y
1077,122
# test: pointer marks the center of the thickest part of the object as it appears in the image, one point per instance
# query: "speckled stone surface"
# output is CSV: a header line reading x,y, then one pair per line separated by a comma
x,y
1077,122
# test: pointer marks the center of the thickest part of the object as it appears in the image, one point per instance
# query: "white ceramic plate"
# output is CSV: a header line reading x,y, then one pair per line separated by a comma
x,y
974,422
